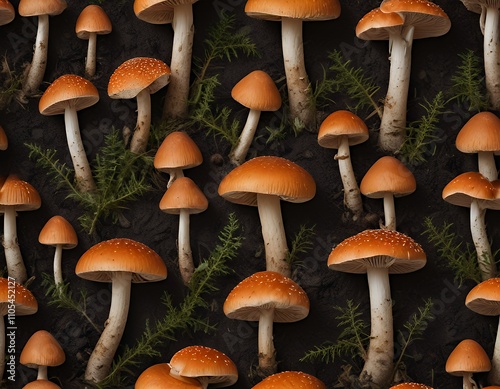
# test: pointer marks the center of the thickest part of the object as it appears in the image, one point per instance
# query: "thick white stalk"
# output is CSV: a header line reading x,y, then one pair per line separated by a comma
x,y
176,99
83,174
13,256
42,373
58,279
494,374
100,360
486,165
273,233
90,61
468,381
480,238
297,81
186,264
239,152
352,195
39,62
389,212
491,15
267,352
140,137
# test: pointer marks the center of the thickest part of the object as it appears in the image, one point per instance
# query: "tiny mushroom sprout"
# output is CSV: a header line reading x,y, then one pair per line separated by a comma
x,y
7,12
16,195
484,299
41,351
91,22
41,384
340,130
58,232
263,182
474,191
208,365
290,380
176,153
378,253
67,95
267,297
410,385
184,198
467,358
41,9
120,261
158,377
388,178
292,14
139,77
258,92
481,135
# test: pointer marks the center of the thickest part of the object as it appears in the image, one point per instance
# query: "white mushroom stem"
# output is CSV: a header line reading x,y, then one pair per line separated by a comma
x,y
468,381
100,360
379,362
297,81
267,352
39,62
58,279
393,124
83,174
273,233
239,152
389,212
42,373
487,166
186,264
174,175
176,99
140,137
13,256
90,61
480,238
490,25
494,374
352,195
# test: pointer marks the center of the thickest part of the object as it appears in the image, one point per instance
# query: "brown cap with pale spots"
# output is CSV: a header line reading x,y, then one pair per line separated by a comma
x,y
42,349
484,298
468,357
410,385
177,150
378,25
19,194
158,376
24,300
467,187
290,380
307,10
36,7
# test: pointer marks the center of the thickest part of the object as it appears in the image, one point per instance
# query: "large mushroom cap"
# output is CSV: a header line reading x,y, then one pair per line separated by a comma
x,y
257,91
183,194
154,11
290,380
267,175
36,7
58,231
468,187
177,150
121,255
467,357
19,194
41,384
7,12
378,25
484,298
24,300
410,385
342,123
42,349
93,19
296,9
69,90
480,133
158,377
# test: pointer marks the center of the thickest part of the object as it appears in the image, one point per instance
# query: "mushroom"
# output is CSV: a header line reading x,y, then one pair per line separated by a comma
x,y
4,141
267,297
177,152
41,351
58,232
16,195
120,261
41,9
258,92
467,358
292,14
388,178
410,385
91,22
139,77
7,12
41,384
184,198
481,135
264,182
340,130
67,95
206,364
158,377
378,253
289,380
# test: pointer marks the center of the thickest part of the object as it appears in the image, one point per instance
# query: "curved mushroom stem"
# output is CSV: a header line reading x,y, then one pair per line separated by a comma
x,y
83,174
393,123
239,152
101,358
486,165
174,175
13,256
494,374
273,233
176,99
140,137
90,61
297,81
480,238
468,381
186,264
267,352
490,23
389,212
58,279
42,373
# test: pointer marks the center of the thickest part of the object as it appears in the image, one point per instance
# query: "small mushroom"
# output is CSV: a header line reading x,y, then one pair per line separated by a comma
x,y
41,351
7,12
467,358
291,379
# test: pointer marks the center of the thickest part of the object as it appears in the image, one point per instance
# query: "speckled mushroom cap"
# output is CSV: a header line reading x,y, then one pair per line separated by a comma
x,y
42,349
158,377
480,133
58,231
37,7
267,175
92,19
265,290
7,12
306,10
183,194
24,300
177,150
206,362
410,385
41,384
342,123
290,380
19,194
467,357
378,25
377,248
467,187
484,298
121,255
138,74
257,91
69,90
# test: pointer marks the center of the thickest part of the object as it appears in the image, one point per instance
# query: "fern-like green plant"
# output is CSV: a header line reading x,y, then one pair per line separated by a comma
x,y
301,243
11,84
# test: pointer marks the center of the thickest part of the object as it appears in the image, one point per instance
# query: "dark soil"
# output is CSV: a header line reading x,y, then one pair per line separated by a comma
x,y
434,61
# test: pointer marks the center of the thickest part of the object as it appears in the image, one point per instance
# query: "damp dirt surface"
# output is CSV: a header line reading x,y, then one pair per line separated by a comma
x,y
434,61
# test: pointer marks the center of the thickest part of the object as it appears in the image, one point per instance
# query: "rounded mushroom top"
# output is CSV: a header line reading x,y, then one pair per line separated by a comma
x,y
36,7
58,231
257,91
201,361
378,25
480,133
177,151
410,385
469,187
7,12
4,141
41,384
19,194
42,349
377,248
68,91
92,19
185,195
154,11
467,357
484,298
290,380
121,255
267,290
267,175
24,300
138,74
387,175
158,376
339,124
296,9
